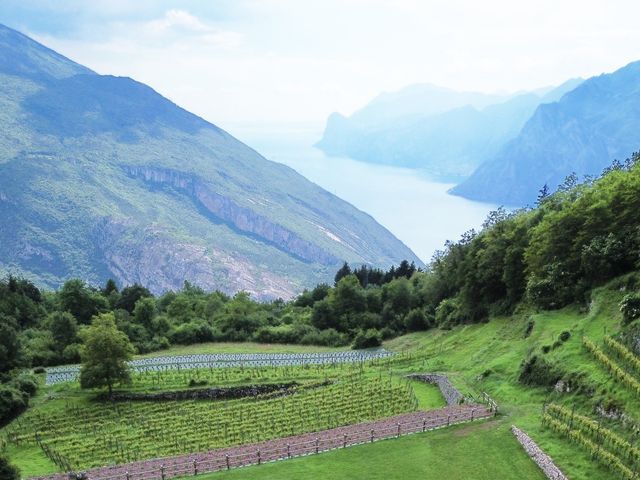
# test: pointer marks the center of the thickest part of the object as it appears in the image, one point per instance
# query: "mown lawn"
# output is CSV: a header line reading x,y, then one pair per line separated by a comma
x,y
479,451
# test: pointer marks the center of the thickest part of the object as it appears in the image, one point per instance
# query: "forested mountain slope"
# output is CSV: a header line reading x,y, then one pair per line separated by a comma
x,y
101,177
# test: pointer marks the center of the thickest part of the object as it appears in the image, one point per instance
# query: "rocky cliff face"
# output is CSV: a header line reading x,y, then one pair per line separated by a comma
x,y
228,211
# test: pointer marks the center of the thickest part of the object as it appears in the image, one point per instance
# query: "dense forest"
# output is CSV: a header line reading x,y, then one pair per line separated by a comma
x,y
546,257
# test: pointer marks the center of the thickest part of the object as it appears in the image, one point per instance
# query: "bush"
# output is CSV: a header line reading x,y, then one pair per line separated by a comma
x,y
192,332
630,307
538,372
12,402
38,370
26,383
71,353
416,320
8,471
529,328
448,313
367,339
564,336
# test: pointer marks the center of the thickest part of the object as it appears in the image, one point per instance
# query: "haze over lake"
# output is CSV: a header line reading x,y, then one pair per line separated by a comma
x,y
416,209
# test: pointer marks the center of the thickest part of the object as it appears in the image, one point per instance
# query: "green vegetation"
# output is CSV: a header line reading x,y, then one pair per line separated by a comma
x,y
74,430
105,353
485,451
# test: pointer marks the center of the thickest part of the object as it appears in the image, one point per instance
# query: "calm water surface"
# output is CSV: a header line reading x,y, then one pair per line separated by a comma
x,y
417,210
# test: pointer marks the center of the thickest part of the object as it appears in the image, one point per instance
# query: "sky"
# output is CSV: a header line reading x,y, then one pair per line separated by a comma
x,y
275,61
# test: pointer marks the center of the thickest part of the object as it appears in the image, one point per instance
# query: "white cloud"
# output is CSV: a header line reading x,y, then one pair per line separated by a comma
x,y
279,60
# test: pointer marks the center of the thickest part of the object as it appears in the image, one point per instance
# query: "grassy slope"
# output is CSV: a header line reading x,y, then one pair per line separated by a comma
x,y
240,347
477,358
463,452
495,349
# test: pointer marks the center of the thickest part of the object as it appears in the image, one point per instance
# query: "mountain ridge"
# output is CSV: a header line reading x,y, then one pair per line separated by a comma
x,y
103,177
582,133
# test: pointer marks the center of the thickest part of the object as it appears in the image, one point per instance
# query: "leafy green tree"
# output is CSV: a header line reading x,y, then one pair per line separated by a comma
x,y
63,328
10,346
81,301
144,312
104,354
130,295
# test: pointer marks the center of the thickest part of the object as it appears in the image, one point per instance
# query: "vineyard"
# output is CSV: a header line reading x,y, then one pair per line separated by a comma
x,y
212,361
614,448
84,436
607,447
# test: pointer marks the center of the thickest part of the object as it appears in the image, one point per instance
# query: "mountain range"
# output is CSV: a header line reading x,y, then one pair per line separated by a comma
x,y
583,132
102,177
498,149
445,133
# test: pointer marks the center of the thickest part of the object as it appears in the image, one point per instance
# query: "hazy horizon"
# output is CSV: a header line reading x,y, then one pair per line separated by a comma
x,y
276,61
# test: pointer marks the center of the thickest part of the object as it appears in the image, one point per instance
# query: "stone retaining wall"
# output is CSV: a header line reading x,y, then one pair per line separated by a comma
x,y
537,455
451,394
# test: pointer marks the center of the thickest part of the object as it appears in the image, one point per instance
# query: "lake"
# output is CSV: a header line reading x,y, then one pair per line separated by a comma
x,y
417,210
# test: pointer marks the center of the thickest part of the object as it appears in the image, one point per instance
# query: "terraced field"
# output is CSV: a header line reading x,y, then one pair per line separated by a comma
x,y
68,373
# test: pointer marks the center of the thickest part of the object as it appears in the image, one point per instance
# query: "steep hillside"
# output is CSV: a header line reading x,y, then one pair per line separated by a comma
x,y
583,132
444,133
100,177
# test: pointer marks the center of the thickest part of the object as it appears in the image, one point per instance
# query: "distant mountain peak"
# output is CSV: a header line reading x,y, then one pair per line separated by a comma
x,y
583,132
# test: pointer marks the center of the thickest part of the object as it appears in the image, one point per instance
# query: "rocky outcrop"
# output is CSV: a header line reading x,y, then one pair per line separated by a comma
x,y
152,257
228,211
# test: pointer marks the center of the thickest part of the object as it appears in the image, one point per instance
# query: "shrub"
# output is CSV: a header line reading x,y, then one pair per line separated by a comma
x,y
12,402
26,383
564,336
192,332
38,370
416,320
8,471
630,307
529,328
448,313
536,371
367,339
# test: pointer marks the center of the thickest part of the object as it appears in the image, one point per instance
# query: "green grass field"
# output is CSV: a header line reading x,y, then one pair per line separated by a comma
x,y
241,347
479,451
477,358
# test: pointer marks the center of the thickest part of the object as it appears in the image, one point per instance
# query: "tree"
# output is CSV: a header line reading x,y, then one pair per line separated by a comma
x,y
144,312
8,471
10,349
63,328
81,301
130,295
109,288
543,193
343,272
104,354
